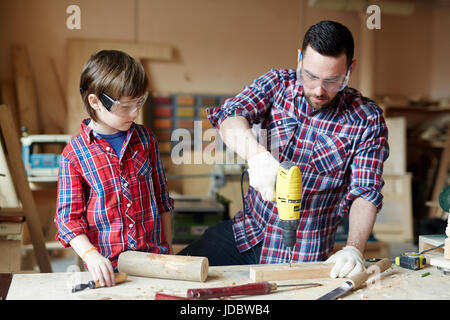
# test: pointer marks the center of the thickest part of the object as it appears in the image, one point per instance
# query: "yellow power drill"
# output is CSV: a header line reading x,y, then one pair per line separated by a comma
x,y
289,200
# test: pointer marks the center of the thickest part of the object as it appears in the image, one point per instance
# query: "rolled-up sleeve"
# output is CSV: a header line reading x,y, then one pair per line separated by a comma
x,y
252,103
70,217
163,200
367,166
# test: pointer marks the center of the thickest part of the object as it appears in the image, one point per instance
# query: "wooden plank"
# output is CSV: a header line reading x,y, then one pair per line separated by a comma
x,y
271,272
19,178
26,90
186,100
395,283
395,220
8,97
161,123
396,163
185,112
11,256
79,51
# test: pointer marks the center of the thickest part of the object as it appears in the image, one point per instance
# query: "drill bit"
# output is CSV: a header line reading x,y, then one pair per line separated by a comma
x,y
290,257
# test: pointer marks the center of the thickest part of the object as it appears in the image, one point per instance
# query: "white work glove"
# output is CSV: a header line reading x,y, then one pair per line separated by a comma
x,y
262,173
348,262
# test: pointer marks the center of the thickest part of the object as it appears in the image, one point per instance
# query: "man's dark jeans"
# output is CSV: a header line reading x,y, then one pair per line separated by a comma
x,y
219,246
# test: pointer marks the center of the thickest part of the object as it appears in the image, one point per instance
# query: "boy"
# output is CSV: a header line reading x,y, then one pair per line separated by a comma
x,y
112,190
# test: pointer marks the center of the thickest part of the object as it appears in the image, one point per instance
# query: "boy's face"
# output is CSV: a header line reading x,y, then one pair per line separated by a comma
x,y
119,118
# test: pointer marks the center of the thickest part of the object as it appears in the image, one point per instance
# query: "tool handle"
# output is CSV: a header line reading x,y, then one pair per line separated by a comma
x,y
360,278
162,296
118,278
14,219
245,289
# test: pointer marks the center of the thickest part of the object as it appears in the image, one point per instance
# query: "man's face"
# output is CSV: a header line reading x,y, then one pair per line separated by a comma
x,y
317,71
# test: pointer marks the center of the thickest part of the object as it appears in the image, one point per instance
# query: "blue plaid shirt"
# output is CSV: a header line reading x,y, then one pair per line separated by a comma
x,y
340,151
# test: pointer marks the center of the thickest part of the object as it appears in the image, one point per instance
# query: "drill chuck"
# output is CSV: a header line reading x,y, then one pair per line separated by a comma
x,y
289,232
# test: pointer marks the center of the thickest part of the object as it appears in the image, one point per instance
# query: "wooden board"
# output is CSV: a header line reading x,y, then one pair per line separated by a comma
x,y
396,163
79,51
394,222
16,167
286,272
395,283
26,90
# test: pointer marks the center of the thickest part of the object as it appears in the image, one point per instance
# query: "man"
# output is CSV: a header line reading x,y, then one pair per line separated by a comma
x,y
337,138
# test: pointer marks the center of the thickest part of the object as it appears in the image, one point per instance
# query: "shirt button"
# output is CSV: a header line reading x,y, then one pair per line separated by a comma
x,y
125,184
128,205
108,148
131,225
279,122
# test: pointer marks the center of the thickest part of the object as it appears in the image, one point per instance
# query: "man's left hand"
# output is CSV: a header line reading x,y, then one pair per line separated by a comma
x,y
348,262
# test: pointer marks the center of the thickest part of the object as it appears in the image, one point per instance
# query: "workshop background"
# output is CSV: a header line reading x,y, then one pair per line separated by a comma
x,y
196,54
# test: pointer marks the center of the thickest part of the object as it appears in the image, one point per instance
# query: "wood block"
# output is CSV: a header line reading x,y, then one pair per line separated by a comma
x,y
26,90
162,112
209,101
202,112
187,124
395,220
396,163
11,228
206,124
11,257
186,100
430,241
162,100
163,124
163,135
447,248
309,270
165,147
437,259
185,112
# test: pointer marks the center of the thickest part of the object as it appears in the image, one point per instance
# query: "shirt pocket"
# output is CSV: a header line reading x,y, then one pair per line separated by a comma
x,y
330,153
142,163
282,129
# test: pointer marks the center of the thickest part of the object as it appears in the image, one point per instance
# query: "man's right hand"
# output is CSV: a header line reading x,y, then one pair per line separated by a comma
x,y
262,171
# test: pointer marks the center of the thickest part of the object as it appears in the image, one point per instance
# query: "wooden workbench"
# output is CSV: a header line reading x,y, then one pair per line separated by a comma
x,y
395,284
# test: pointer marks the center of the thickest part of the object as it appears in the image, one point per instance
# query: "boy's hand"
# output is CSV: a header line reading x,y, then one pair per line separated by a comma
x,y
100,268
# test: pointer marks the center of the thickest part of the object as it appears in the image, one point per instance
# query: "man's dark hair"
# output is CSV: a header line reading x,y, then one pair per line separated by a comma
x,y
330,38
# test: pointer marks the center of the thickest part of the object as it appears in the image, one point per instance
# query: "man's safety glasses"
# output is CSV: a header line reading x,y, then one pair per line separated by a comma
x,y
122,108
311,81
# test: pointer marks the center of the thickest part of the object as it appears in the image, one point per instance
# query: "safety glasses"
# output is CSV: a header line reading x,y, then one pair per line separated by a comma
x,y
122,108
311,81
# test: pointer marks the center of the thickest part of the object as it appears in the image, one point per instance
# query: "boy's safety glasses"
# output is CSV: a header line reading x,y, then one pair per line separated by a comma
x,y
122,108
311,81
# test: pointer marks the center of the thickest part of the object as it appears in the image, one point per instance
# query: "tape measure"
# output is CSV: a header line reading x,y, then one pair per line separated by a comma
x,y
411,260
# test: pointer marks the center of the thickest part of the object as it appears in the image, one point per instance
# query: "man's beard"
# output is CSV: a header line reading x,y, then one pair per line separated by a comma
x,y
322,105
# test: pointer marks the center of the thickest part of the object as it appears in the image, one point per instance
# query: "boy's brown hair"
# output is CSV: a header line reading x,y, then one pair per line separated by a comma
x,y
114,73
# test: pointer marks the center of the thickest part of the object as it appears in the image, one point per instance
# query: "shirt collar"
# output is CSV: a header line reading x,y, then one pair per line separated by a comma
x,y
89,134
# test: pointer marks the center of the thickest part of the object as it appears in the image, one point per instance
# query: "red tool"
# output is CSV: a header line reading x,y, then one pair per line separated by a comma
x,y
245,289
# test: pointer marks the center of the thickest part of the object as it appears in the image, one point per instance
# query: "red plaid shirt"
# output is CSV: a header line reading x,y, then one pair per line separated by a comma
x,y
340,152
116,200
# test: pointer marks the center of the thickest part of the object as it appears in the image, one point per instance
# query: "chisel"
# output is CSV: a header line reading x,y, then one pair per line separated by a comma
x,y
118,278
245,289
356,281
